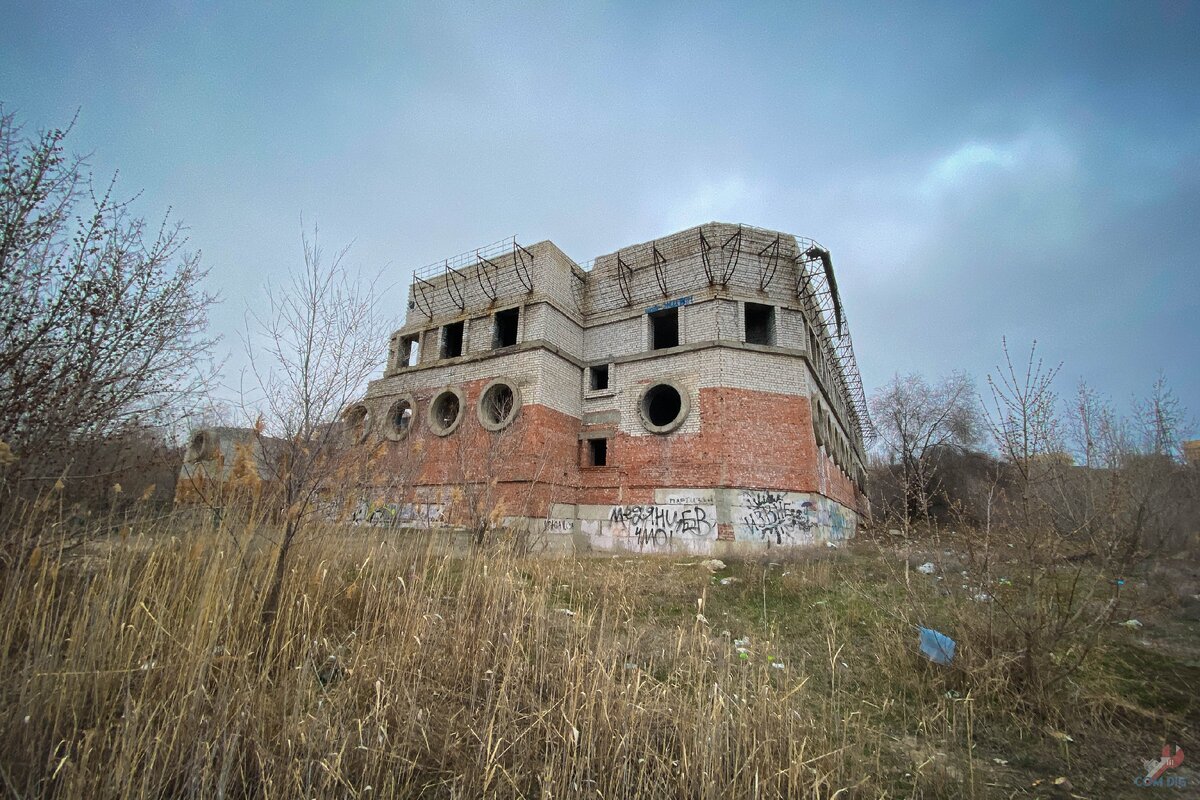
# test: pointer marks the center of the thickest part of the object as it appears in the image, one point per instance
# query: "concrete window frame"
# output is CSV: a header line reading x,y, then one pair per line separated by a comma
x,y
663,389
489,397
356,418
595,452
392,430
202,446
438,410
506,327
408,350
760,323
452,340
607,369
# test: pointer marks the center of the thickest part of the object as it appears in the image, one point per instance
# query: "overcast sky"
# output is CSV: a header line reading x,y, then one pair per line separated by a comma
x,y
1022,170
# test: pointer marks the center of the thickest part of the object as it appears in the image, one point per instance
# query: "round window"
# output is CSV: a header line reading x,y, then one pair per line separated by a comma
x,y
498,404
663,407
200,447
445,412
356,424
399,418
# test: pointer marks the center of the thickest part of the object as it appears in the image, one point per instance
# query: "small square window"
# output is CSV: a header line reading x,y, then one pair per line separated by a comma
x,y
597,452
664,329
598,377
504,333
452,340
760,324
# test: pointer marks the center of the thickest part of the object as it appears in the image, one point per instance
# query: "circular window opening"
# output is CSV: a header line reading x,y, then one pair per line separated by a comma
x,y
400,418
499,404
445,412
663,407
355,422
199,447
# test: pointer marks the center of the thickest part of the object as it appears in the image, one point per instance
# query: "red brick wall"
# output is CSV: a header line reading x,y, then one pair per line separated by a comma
x,y
746,439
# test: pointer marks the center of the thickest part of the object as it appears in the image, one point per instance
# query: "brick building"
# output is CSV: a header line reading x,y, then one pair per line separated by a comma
x,y
697,392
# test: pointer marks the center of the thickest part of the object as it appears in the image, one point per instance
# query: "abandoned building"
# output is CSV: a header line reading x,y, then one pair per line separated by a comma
x,y
697,392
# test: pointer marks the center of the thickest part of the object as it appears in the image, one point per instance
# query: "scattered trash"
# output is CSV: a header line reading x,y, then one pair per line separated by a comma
x,y
937,647
566,611
927,568
1132,624
983,597
713,564
831,545
1005,582
727,581
630,665
777,665
1001,761
740,643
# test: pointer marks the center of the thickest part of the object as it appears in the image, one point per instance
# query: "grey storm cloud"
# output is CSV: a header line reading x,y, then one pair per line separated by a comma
x,y
1021,170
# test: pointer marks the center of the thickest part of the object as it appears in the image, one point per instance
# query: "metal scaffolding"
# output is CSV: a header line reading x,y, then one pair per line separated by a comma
x,y
452,274
816,286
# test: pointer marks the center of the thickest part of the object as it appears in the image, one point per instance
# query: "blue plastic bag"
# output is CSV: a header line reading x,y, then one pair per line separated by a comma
x,y
938,647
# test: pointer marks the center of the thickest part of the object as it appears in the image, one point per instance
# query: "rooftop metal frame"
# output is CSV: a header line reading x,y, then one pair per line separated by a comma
x,y
816,287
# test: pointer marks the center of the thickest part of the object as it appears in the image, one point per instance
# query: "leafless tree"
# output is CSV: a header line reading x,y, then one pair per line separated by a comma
x,y
102,316
312,346
1160,419
914,420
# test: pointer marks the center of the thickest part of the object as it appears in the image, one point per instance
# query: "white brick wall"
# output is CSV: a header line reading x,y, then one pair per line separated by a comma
x,y
591,322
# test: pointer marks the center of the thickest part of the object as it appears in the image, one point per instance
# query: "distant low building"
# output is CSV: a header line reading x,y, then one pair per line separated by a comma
x,y
1191,452
221,462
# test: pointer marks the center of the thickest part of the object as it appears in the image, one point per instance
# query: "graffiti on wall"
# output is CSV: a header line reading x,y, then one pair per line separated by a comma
x,y
653,528
398,515
770,517
656,527
787,518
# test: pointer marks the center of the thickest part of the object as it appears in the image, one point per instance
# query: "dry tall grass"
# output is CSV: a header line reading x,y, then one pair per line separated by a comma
x,y
396,669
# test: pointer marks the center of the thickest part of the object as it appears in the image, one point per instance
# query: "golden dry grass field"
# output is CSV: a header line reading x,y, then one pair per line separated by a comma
x,y
139,668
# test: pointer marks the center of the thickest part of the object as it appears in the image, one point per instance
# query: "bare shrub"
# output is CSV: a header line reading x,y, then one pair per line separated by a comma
x,y
102,317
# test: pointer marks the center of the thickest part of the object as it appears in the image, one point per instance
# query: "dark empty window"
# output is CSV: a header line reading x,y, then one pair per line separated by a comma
x,y
505,332
664,329
410,350
599,378
597,452
452,340
760,324
663,405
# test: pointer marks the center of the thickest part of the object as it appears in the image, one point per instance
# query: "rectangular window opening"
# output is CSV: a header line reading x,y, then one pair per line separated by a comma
x,y
452,340
505,332
760,324
597,452
410,351
599,378
664,329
